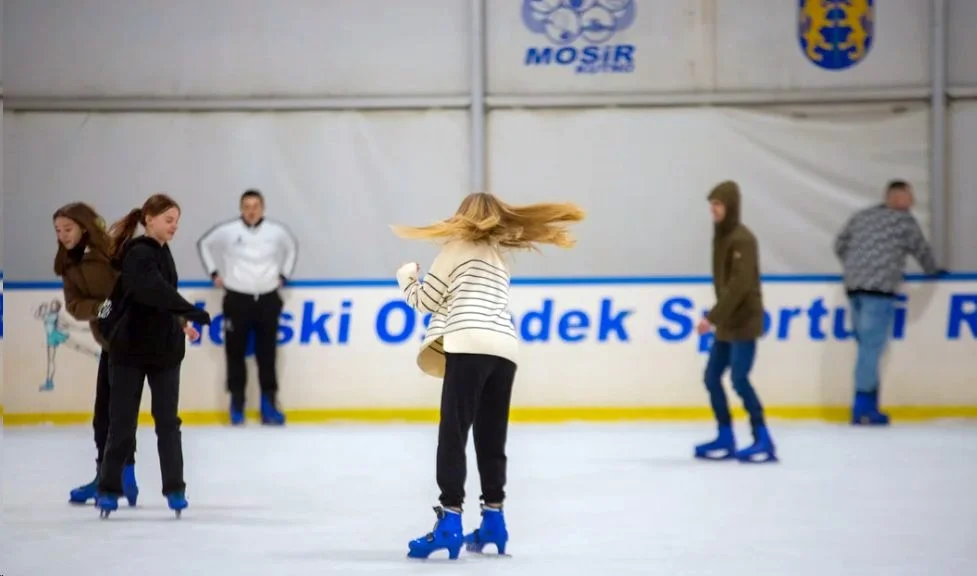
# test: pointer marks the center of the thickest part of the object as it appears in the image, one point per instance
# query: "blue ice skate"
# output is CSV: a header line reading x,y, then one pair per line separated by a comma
x,y
129,487
237,414
761,451
865,411
177,501
106,503
47,386
270,415
722,448
447,533
491,531
82,494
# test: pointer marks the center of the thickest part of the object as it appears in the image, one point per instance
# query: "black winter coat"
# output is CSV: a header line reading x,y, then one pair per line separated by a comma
x,y
150,331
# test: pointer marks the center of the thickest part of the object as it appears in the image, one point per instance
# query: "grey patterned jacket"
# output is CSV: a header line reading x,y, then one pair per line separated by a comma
x,y
873,247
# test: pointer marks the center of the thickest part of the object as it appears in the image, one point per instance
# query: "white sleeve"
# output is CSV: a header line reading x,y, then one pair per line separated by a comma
x,y
213,238
429,295
290,245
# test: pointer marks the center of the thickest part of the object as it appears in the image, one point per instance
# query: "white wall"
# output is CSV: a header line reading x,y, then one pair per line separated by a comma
x,y
236,47
340,178
646,192
962,43
753,56
963,182
336,177
1,38
370,47
706,45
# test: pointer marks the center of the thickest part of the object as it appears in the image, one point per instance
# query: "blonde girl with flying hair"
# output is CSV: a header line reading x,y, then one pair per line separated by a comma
x,y
472,345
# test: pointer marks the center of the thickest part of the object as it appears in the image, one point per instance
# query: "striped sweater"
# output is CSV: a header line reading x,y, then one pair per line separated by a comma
x,y
467,293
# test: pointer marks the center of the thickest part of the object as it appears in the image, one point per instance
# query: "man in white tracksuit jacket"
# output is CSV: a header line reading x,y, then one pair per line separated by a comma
x,y
257,256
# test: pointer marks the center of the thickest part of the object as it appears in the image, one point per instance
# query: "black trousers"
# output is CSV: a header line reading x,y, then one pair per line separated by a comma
x,y
242,314
477,390
100,417
127,382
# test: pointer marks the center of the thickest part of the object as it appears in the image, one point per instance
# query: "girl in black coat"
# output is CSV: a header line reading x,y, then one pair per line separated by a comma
x,y
147,332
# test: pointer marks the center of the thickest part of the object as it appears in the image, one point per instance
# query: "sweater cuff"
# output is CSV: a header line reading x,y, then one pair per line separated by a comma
x,y
406,274
711,317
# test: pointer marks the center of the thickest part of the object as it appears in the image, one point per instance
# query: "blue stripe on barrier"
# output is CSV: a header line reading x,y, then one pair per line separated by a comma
x,y
540,281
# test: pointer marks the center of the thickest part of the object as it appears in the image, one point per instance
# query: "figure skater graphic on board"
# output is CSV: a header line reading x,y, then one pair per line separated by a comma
x,y
57,334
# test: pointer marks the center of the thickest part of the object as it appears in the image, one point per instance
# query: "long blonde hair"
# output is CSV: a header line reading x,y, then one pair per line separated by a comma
x,y
484,218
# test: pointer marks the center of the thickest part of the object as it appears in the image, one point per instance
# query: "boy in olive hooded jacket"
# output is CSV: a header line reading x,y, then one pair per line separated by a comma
x,y
738,320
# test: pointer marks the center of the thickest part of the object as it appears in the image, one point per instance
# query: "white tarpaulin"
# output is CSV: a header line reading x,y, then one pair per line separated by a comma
x,y
962,218
338,179
644,175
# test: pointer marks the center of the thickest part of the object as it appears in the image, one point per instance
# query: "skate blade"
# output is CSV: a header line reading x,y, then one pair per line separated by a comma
x,y
489,555
715,457
764,460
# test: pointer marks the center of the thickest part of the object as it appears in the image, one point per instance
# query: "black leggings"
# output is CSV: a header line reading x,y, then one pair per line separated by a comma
x,y
477,390
100,418
127,383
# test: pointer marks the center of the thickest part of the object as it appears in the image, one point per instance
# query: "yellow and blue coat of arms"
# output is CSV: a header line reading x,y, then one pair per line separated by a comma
x,y
836,34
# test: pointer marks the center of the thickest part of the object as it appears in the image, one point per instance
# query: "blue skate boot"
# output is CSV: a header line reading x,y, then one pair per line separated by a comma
x,y
129,487
237,413
82,494
270,415
177,501
761,451
491,531
447,533
106,503
865,411
722,448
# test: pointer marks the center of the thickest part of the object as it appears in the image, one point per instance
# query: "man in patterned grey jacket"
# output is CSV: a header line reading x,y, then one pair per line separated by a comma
x,y
873,247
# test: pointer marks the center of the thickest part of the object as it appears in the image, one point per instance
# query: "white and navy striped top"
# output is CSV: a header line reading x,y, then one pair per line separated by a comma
x,y
467,293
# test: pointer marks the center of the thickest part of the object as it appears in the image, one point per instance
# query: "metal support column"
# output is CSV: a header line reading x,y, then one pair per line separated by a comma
x,y
477,110
939,191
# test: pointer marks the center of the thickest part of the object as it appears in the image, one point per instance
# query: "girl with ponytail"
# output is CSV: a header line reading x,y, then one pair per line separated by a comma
x,y
148,340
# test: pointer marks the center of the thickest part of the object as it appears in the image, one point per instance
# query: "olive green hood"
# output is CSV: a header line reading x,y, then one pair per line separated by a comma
x,y
728,193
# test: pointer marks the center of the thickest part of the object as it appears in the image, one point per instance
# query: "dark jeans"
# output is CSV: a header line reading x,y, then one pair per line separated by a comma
x,y
872,317
100,418
477,390
244,313
127,382
738,358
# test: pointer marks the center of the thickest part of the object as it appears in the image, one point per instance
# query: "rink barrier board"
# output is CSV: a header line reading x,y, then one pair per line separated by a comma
x,y
963,276
520,415
552,414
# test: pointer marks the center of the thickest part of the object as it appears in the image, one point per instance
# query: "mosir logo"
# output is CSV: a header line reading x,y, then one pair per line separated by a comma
x,y
579,33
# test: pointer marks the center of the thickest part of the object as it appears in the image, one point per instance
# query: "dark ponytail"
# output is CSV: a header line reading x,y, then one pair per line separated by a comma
x,y
123,231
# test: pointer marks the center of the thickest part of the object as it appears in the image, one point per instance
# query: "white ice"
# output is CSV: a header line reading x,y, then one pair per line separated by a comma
x,y
583,499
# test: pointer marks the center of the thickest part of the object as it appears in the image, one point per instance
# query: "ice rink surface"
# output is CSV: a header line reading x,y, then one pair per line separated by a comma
x,y
583,499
